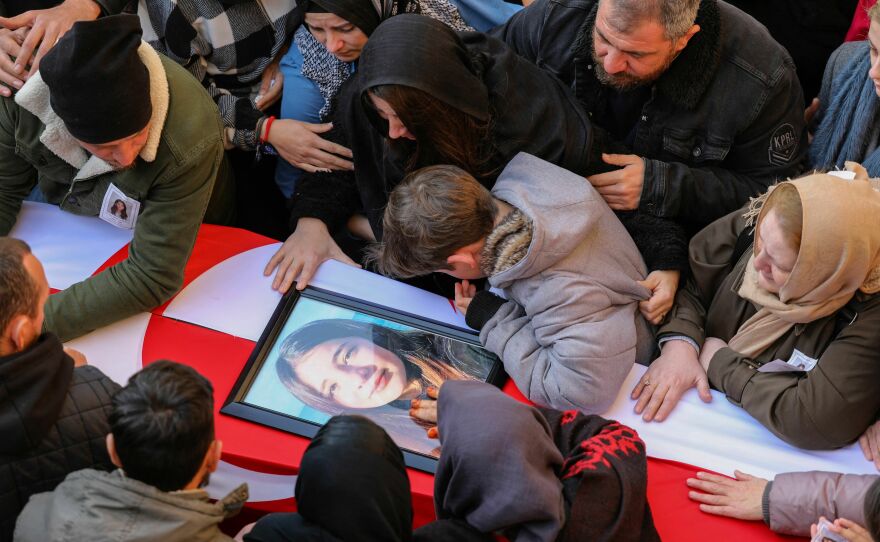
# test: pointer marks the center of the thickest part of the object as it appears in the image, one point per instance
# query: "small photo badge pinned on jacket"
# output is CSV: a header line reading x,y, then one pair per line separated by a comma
x,y
118,209
798,363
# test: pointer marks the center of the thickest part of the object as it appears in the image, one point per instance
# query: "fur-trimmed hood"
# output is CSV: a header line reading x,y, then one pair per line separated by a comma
x,y
564,219
686,80
34,97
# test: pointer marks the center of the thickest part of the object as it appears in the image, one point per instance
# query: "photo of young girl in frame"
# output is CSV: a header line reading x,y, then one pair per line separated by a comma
x,y
330,360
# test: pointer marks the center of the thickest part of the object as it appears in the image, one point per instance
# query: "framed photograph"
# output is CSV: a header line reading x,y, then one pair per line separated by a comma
x,y
324,354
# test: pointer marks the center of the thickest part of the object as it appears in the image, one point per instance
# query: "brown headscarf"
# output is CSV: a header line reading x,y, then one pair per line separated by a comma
x,y
839,254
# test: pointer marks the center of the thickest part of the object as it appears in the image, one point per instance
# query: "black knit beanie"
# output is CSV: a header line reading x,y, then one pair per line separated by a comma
x,y
98,84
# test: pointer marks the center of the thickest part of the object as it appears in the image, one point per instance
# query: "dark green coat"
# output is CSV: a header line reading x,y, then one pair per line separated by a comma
x,y
174,190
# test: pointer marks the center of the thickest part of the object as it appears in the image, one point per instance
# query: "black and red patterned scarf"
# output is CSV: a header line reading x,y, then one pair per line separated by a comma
x,y
604,478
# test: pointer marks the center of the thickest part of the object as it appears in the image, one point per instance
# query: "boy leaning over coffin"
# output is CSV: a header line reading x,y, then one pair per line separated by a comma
x,y
570,329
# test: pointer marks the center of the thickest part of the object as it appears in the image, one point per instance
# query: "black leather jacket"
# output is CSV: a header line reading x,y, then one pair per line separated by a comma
x,y
722,123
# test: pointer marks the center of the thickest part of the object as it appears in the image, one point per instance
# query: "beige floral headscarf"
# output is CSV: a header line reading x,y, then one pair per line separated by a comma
x,y
839,254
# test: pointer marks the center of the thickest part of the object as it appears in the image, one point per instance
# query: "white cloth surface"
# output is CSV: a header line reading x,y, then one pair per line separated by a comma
x,y
235,298
720,436
70,247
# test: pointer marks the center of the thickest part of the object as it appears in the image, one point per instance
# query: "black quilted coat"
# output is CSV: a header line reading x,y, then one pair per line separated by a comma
x,y
53,421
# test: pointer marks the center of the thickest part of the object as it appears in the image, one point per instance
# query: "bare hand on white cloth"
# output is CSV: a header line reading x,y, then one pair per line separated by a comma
x,y
308,246
676,371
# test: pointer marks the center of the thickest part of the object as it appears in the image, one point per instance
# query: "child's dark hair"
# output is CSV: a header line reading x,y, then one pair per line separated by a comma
x,y
163,424
872,510
435,211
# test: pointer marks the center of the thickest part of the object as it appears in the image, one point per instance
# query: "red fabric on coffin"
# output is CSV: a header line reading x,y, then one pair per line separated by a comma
x,y
679,519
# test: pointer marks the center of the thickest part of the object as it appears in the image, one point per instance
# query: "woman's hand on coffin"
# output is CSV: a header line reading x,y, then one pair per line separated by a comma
x,y
302,253
663,285
426,410
870,444
299,143
672,374
740,498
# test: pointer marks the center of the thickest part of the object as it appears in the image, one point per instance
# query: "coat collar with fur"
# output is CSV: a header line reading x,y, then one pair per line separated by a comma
x,y
686,80
34,97
507,244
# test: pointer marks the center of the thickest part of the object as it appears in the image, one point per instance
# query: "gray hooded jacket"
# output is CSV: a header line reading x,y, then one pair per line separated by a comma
x,y
108,507
572,329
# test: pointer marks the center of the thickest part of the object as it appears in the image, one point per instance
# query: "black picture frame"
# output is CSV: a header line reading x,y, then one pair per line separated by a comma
x,y
236,406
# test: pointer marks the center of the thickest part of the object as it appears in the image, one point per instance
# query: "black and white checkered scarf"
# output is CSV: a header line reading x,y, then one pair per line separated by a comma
x,y
225,45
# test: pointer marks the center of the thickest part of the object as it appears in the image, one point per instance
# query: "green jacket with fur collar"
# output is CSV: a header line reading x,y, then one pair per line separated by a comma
x,y
172,178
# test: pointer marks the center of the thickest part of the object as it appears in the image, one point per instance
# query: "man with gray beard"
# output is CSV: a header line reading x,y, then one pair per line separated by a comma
x,y
701,108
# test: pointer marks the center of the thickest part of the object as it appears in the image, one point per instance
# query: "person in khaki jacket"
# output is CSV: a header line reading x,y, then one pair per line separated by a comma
x,y
788,329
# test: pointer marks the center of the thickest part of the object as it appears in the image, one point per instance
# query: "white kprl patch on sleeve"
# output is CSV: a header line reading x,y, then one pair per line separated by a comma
x,y
783,145
119,209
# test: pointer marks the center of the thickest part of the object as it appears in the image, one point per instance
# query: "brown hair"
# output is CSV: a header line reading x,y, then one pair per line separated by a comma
x,y
786,202
444,135
18,292
434,212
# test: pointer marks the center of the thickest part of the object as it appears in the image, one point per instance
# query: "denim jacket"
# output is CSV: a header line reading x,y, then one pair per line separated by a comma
x,y
723,122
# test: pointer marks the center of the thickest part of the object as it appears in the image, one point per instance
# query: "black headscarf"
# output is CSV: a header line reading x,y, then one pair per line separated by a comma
x,y
537,473
498,464
364,14
529,109
422,53
353,484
